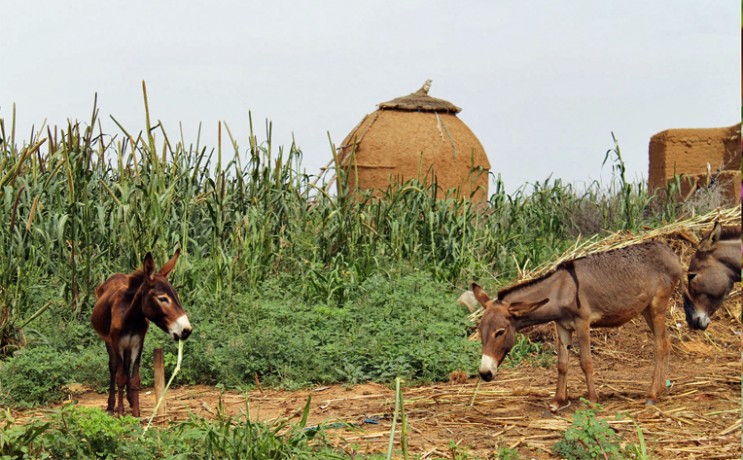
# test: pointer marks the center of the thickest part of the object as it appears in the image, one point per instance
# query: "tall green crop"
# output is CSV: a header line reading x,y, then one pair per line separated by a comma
x,y
77,204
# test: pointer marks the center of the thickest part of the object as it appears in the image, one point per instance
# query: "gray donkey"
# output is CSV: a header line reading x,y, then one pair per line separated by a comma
x,y
713,269
601,290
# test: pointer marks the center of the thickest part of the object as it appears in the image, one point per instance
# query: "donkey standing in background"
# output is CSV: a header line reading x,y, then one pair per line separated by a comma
x,y
603,290
713,269
122,313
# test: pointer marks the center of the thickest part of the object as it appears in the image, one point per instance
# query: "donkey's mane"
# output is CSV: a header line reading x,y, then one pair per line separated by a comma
x,y
567,265
523,284
730,233
135,281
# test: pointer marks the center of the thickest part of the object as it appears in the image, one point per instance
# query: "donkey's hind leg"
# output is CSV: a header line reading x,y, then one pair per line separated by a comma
x,y
583,331
563,339
112,379
122,380
655,316
132,390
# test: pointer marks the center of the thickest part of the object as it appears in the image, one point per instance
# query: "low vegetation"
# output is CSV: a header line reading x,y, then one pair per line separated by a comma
x,y
590,436
287,280
87,433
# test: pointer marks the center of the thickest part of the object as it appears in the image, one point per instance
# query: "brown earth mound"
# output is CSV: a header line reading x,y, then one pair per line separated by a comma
x,y
416,137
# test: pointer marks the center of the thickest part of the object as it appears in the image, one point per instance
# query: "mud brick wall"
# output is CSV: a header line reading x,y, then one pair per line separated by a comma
x,y
687,152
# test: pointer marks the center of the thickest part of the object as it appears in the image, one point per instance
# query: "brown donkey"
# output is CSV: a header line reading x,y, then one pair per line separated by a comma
x,y
602,290
713,269
122,313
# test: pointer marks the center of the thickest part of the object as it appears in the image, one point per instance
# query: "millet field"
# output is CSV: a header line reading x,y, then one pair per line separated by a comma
x,y
289,282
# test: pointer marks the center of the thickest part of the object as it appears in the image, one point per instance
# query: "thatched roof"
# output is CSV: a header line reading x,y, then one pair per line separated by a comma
x,y
420,101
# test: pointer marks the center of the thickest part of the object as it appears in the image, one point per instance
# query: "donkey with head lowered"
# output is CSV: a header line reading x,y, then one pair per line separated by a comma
x,y
713,269
122,313
601,290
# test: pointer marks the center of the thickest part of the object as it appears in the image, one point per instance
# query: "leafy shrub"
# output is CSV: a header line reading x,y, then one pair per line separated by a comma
x,y
84,432
525,351
406,326
17,441
589,437
37,375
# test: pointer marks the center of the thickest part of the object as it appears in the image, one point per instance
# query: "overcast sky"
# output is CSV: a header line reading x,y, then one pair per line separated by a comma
x,y
542,84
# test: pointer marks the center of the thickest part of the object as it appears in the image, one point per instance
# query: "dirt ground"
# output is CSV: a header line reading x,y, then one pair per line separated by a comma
x,y
699,418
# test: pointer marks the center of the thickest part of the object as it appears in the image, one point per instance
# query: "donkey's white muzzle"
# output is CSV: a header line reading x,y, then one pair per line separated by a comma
x,y
488,368
181,328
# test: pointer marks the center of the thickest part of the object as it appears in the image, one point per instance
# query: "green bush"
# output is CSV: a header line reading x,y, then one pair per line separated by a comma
x,y
83,432
37,375
17,440
403,327
589,437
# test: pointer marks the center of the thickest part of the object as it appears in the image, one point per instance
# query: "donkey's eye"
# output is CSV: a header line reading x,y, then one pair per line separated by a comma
x,y
163,299
499,332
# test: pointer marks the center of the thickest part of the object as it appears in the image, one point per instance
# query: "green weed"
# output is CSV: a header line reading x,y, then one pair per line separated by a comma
x,y
38,375
590,437
506,453
16,439
525,351
88,433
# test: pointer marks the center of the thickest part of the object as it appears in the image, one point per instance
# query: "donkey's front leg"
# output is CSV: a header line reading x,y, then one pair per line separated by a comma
x,y
112,379
655,317
121,381
563,340
135,383
583,330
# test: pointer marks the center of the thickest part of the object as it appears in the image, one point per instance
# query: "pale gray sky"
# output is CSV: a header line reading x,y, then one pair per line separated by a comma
x,y
542,84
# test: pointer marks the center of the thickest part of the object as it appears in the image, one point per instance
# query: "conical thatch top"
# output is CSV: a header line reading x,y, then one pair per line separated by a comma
x,y
420,101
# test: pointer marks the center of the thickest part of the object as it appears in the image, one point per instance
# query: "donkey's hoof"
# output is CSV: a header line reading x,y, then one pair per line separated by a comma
x,y
555,407
650,402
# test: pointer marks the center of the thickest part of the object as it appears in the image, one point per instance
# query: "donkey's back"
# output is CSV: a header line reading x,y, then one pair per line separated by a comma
x,y
617,285
643,265
115,283
108,296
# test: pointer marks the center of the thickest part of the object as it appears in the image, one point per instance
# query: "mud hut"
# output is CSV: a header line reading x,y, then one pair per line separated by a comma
x,y
416,137
701,156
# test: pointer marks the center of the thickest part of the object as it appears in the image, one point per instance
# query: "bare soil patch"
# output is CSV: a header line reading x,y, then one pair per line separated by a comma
x,y
699,417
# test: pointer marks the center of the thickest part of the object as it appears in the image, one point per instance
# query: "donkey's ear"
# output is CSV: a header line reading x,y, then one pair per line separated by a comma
x,y
480,295
708,242
522,308
148,265
170,265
